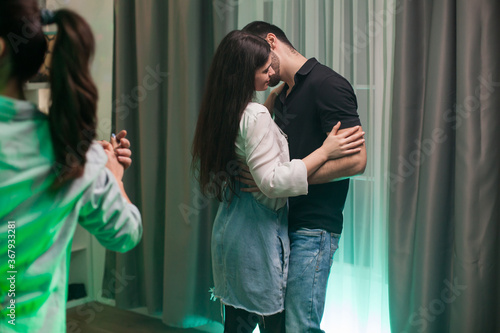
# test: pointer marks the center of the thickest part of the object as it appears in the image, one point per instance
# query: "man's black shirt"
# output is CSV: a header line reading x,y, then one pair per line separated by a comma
x,y
320,98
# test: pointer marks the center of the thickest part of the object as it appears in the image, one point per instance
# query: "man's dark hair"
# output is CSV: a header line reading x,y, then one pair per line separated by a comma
x,y
261,29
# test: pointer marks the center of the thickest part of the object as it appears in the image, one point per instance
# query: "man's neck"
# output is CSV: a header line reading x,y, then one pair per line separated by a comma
x,y
290,65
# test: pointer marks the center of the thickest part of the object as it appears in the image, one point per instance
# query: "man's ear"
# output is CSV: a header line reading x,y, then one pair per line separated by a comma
x,y
272,40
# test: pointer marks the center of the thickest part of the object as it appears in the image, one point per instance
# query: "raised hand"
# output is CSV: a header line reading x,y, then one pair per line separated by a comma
x,y
121,146
113,164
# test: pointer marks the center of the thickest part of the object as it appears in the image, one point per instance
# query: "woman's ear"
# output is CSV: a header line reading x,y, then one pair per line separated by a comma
x,y
2,46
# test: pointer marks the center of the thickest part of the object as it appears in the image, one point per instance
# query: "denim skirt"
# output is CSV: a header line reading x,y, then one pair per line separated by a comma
x,y
250,250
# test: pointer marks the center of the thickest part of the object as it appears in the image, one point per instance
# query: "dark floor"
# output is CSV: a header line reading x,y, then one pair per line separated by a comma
x,y
99,318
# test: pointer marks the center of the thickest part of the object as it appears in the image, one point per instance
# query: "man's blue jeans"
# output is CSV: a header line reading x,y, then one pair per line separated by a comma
x,y
311,258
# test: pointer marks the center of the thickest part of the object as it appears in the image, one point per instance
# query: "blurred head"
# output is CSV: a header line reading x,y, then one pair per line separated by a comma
x,y
240,66
72,115
22,42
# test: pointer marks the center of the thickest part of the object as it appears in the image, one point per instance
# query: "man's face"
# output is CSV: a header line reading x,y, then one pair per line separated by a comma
x,y
275,64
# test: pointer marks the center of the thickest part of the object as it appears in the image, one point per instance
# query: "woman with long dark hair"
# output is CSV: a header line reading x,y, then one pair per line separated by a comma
x,y
250,239
52,174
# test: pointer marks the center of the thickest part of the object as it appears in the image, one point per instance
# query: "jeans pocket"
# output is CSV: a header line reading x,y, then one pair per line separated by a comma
x,y
335,239
306,250
309,232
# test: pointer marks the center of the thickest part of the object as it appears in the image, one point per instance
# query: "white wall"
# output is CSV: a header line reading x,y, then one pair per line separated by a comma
x,y
99,14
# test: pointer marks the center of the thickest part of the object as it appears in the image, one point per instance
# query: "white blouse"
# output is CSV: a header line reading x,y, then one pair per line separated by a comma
x,y
262,146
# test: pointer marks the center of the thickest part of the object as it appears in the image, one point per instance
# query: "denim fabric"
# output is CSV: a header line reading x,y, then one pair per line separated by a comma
x,y
311,258
250,250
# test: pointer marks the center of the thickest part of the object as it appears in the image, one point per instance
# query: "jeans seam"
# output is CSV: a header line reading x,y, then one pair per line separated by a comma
x,y
316,273
315,282
320,253
331,251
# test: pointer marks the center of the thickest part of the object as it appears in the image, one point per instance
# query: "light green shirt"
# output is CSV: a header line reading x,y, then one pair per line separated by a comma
x,y
35,280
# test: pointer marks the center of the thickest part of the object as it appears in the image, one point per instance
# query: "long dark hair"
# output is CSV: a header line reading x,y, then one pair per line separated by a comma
x,y
72,114
229,88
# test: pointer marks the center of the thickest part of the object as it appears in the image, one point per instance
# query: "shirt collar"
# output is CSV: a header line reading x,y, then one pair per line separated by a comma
x,y
14,109
303,71
307,67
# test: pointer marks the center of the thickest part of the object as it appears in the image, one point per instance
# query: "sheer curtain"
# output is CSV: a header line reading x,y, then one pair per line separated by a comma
x,y
355,38
178,37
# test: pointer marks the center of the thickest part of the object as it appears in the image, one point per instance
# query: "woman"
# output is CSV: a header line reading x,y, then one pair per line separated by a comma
x,y
52,174
249,240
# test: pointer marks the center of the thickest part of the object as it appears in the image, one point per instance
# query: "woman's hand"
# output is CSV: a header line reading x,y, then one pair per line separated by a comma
x,y
343,144
122,149
113,164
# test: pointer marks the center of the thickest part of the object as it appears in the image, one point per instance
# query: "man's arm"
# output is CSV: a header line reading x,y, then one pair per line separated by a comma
x,y
340,168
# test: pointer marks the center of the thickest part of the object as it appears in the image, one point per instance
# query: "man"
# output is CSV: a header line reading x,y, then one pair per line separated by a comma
x,y
313,99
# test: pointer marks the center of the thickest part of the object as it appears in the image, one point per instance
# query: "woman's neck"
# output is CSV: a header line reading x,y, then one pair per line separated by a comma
x,y
11,89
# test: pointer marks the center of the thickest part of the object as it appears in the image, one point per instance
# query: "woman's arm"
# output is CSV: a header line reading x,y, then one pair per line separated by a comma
x,y
336,145
106,211
274,175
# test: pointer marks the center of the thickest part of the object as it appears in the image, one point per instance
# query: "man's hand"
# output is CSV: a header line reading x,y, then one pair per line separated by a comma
x,y
246,178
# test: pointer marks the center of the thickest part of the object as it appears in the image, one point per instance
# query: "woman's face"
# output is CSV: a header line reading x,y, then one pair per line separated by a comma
x,y
262,76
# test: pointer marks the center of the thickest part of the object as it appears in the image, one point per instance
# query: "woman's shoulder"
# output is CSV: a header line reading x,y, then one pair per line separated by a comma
x,y
254,113
254,109
255,121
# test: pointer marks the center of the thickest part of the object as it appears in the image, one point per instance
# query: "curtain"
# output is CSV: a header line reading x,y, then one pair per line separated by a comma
x,y
444,171
170,271
162,53
356,39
